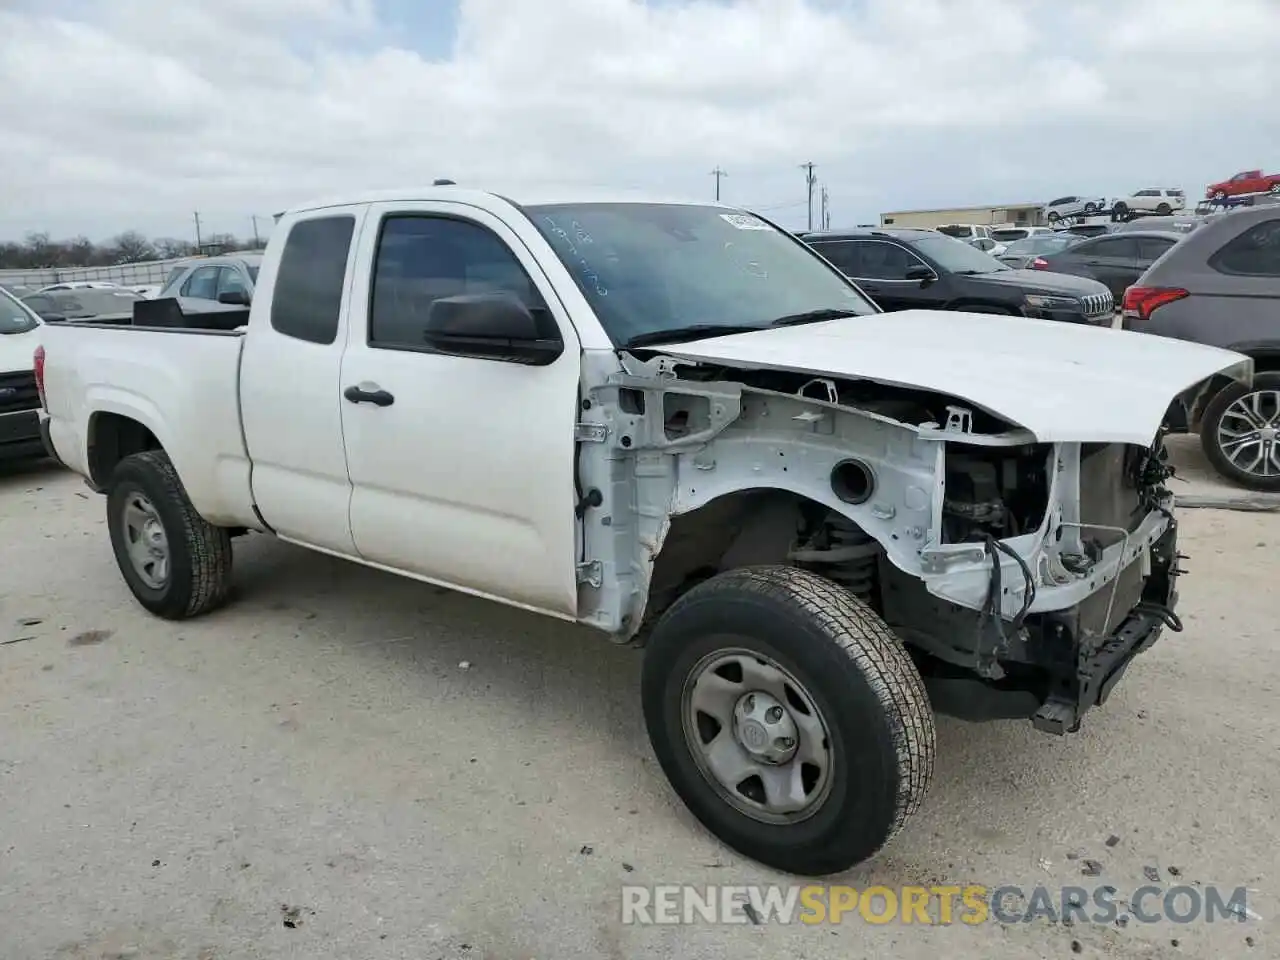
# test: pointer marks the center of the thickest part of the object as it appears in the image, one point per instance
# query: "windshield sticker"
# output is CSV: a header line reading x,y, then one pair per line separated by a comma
x,y
744,221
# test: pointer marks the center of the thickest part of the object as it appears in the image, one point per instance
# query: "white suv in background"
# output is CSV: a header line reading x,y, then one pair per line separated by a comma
x,y
975,234
1065,207
1158,200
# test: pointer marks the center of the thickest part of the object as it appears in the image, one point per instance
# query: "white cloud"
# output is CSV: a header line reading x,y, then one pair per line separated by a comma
x,y
130,114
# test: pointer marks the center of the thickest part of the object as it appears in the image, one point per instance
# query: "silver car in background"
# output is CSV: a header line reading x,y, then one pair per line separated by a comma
x,y
1022,254
210,284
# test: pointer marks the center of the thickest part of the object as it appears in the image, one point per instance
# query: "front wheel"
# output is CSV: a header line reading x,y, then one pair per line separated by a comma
x,y
1054,216
1240,432
788,718
1090,208
175,562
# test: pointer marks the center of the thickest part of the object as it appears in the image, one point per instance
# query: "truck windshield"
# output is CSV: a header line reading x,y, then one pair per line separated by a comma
x,y
14,317
650,267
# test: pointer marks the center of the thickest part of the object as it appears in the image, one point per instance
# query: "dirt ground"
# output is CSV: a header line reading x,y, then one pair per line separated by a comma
x,y
343,764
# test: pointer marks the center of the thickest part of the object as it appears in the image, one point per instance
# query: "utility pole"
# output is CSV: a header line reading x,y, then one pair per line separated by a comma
x,y
718,173
257,244
824,216
809,182
199,245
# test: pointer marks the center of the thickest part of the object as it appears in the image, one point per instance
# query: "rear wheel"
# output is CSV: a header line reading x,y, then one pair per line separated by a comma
x,y
788,718
1054,216
1164,210
175,562
1090,208
1120,210
1240,432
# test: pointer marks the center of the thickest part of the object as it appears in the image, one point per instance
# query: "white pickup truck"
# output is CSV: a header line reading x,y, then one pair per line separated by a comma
x,y
681,426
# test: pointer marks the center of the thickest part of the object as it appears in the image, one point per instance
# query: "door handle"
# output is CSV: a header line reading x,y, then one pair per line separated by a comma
x,y
377,396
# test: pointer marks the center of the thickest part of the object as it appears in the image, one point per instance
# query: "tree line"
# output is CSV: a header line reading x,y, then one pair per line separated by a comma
x,y
40,251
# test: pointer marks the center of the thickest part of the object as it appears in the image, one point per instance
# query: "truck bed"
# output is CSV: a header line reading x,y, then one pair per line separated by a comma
x,y
183,381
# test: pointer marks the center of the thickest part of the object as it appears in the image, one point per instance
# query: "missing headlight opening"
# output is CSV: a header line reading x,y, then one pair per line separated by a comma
x,y
997,492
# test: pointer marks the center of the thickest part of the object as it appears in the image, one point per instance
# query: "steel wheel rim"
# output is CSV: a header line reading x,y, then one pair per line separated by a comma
x,y
1248,431
773,783
145,539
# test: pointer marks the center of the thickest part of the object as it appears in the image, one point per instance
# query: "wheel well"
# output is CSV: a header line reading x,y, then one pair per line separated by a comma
x,y
112,437
1264,361
740,529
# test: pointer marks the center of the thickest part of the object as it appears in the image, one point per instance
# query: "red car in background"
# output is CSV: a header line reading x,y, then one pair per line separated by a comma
x,y
1251,181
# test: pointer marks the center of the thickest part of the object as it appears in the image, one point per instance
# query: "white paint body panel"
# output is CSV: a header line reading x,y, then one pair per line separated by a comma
x,y
180,386
467,479
17,350
1062,382
291,406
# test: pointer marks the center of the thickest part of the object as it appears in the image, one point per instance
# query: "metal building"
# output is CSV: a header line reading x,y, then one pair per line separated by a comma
x,y
1021,214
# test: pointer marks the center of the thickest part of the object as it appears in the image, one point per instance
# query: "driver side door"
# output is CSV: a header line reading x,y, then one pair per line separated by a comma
x,y
462,468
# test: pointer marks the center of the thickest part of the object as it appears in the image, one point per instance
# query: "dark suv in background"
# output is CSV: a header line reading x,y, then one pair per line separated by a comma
x,y
1220,286
923,269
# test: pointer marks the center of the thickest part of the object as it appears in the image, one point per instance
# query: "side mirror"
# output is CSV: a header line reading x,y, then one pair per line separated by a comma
x,y
239,298
491,326
922,273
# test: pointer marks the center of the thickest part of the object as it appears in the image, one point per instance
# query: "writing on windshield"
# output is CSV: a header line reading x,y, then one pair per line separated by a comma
x,y
649,267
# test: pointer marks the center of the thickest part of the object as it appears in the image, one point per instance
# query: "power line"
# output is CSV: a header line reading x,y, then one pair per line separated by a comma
x,y
809,181
718,173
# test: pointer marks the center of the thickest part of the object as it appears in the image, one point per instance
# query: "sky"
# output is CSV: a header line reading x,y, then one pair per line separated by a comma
x,y
133,114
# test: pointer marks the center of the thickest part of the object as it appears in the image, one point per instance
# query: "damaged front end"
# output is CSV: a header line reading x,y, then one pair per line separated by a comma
x,y
1023,576
1062,608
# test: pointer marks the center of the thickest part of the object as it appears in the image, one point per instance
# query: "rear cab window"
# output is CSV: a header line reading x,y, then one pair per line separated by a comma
x,y
306,303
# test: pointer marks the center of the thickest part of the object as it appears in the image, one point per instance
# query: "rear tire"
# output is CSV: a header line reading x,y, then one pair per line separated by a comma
x,y
1054,216
861,727
1120,211
1227,419
176,563
1164,210
1090,208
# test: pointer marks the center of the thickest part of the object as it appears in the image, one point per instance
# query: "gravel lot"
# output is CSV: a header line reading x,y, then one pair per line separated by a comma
x,y
316,754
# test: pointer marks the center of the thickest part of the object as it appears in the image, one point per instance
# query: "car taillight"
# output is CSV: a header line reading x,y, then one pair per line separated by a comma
x,y
38,365
1039,263
1141,302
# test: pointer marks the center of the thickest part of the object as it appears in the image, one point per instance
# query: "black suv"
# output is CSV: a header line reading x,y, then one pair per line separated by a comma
x,y
923,269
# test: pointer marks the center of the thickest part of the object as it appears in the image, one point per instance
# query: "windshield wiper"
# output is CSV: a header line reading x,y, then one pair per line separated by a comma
x,y
811,316
694,331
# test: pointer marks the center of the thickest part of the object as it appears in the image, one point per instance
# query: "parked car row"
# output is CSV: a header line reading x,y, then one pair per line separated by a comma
x,y
903,269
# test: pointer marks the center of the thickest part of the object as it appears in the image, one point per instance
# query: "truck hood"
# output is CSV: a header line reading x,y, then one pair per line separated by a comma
x,y
1060,381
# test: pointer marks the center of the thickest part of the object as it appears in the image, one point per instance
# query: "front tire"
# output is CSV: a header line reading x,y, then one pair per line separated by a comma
x,y
176,563
1091,208
788,718
1054,216
1240,432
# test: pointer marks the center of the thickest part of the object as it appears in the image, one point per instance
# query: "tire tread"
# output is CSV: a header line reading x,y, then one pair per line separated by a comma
x,y
209,547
